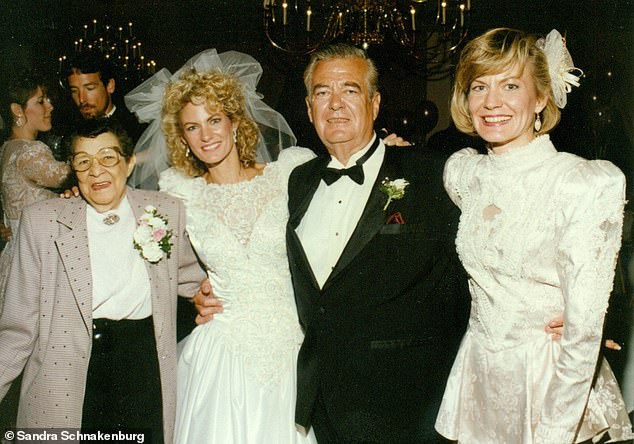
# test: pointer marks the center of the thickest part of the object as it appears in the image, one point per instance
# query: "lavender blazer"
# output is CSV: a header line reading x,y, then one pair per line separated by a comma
x,y
46,322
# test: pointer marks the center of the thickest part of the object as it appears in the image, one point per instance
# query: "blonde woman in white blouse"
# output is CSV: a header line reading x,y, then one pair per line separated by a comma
x,y
539,234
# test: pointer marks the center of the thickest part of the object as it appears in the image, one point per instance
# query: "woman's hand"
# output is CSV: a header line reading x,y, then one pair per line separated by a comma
x,y
394,140
5,233
555,328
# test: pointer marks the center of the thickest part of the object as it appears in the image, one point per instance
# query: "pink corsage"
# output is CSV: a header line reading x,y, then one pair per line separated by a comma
x,y
152,237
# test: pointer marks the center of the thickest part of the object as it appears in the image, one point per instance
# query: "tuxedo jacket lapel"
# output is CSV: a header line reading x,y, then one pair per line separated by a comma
x,y
75,255
372,218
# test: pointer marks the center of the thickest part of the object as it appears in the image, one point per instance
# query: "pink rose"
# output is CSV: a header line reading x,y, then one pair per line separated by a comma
x,y
158,234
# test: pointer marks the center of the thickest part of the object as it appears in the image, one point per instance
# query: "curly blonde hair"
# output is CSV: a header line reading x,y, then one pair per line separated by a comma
x,y
493,52
219,91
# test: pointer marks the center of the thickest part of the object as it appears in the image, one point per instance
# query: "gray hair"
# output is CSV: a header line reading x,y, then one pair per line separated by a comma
x,y
342,51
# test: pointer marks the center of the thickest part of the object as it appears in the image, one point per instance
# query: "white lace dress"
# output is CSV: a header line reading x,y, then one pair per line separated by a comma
x,y
538,236
237,374
27,170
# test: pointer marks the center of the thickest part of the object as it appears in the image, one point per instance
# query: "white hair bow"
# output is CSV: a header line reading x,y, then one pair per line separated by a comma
x,y
563,74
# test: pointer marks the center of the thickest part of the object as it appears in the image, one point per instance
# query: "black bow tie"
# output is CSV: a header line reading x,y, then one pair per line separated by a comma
x,y
331,175
355,172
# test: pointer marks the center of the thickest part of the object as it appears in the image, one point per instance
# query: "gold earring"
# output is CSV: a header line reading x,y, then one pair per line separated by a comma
x,y
19,121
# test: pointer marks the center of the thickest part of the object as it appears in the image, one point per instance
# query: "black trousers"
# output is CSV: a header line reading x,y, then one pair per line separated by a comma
x,y
123,386
326,433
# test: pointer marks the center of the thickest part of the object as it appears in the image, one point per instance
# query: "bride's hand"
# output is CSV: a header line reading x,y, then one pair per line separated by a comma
x,y
206,304
394,140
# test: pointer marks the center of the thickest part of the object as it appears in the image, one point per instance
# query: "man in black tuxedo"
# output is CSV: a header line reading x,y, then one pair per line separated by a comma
x,y
379,290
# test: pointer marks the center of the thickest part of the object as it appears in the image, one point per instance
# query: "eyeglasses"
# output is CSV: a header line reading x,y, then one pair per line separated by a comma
x,y
107,157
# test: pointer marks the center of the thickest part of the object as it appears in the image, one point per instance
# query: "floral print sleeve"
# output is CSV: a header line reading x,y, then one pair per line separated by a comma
x,y
590,237
37,164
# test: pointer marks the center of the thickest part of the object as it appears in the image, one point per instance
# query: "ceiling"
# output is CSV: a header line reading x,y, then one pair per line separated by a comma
x,y
600,35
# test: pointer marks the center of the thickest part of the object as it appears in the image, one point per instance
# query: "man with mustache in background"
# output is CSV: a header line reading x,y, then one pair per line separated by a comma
x,y
91,83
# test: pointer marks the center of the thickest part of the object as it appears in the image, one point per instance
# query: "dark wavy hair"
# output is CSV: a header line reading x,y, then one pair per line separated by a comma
x,y
19,88
91,128
89,62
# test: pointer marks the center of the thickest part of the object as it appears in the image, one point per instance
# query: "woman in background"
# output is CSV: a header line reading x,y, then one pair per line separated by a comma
x,y
539,234
27,167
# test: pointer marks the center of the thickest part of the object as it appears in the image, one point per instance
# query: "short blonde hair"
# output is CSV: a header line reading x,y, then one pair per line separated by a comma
x,y
493,52
219,91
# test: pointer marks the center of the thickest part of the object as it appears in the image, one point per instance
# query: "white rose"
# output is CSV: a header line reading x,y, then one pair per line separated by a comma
x,y
157,222
152,252
400,183
150,209
143,235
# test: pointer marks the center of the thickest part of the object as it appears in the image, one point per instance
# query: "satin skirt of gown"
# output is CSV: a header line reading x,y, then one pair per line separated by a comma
x,y
222,398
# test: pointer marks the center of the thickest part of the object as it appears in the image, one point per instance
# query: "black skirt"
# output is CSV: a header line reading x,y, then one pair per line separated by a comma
x,y
123,386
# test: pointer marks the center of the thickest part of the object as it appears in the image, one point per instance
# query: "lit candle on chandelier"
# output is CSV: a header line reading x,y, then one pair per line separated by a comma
x,y
462,15
94,26
309,12
284,7
413,12
444,13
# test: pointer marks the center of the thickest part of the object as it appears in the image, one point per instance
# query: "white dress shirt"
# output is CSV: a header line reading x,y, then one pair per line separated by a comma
x,y
334,212
121,286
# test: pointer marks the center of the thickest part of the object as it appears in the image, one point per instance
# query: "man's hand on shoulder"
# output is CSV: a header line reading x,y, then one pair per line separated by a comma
x,y
67,194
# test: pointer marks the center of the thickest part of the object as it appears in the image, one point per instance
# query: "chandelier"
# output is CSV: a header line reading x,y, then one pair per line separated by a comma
x,y
117,44
429,31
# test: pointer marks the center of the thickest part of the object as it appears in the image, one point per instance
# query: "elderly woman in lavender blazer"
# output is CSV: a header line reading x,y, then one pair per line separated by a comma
x,y
90,307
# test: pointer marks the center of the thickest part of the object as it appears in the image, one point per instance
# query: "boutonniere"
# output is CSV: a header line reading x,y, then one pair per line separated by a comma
x,y
152,238
394,189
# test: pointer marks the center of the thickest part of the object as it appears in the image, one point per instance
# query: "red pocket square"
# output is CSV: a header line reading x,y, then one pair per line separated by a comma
x,y
396,218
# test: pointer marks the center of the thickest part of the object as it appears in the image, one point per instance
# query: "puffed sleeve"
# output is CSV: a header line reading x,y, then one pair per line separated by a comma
x,y
36,163
589,232
454,174
291,157
176,183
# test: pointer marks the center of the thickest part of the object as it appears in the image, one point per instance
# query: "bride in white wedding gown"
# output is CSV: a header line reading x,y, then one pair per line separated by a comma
x,y
237,374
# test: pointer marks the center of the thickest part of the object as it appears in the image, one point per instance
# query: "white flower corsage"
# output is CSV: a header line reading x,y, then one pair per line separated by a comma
x,y
394,189
152,238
